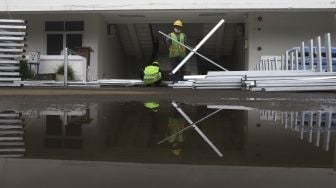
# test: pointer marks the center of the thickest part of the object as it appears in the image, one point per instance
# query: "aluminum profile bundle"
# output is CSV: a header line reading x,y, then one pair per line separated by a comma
x,y
12,43
291,81
213,80
120,82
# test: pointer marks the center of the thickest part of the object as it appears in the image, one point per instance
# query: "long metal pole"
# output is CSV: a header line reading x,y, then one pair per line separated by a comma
x,y
282,63
192,50
319,54
311,54
198,46
296,59
65,52
303,56
190,126
292,60
286,60
197,129
328,52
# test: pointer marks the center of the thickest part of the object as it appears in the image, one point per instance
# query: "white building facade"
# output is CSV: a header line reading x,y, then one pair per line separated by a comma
x,y
124,34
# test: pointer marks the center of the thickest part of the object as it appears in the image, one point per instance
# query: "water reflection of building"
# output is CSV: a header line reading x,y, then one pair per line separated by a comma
x,y
58,129
64,126
11,134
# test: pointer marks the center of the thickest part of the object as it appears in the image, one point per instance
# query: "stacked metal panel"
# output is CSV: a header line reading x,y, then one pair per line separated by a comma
x,y
213,80
290,81
12,42
120,82
11,134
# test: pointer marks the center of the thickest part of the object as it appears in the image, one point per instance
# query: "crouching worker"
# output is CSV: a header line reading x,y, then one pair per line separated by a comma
x,y
152,75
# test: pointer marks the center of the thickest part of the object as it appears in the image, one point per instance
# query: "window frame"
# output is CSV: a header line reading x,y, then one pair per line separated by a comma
x,y
64,33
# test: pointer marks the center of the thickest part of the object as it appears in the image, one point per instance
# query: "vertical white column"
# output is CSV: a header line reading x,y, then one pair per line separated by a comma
x,y
292,60
328,52
311,54
286,60
303,56
319,54
296,59
65,52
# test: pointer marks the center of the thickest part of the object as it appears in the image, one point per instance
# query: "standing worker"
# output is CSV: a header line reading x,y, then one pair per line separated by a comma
x,y
152,74
176,51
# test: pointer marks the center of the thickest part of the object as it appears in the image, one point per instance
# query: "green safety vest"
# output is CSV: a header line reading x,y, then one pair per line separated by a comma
x,y
152,74
175,49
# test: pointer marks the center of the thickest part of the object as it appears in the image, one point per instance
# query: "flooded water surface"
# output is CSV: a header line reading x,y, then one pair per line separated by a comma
x,y
169,132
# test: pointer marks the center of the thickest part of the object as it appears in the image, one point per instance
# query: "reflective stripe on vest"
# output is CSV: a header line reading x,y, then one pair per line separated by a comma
x,y
151,74
175,49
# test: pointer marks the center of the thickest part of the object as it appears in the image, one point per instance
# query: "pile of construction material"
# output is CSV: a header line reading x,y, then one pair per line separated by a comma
x,y
12,38
296,80
213,80
290,81
120,82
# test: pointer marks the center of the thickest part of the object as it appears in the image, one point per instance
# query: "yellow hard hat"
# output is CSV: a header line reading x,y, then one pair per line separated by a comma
x,y
178,23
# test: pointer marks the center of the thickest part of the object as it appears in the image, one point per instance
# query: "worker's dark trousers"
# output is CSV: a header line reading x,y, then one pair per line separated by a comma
x,y
178,76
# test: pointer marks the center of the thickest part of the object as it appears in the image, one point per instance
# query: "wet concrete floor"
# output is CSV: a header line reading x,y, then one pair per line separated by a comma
x,y
126,137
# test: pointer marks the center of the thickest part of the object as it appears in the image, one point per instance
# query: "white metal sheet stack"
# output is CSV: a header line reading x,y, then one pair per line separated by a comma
x,y
290,81
213,80
12,42
120,82
11,134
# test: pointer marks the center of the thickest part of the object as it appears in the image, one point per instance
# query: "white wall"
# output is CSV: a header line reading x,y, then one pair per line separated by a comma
x,y
37,37
111,57
50,63
71,5
281,31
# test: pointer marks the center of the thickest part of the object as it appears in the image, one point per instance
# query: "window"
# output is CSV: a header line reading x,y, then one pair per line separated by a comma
x,y
74,41
64,26
62,34
54,44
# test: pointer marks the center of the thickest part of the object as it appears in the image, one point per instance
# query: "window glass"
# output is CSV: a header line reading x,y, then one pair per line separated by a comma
x,y
74,41
74,26
54,44
54,26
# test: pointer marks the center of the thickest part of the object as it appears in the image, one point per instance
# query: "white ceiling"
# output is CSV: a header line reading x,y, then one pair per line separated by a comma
x,y
188,16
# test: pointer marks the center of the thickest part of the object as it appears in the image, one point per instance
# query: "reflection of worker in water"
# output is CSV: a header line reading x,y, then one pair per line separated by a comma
x,y
153,108
175,125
